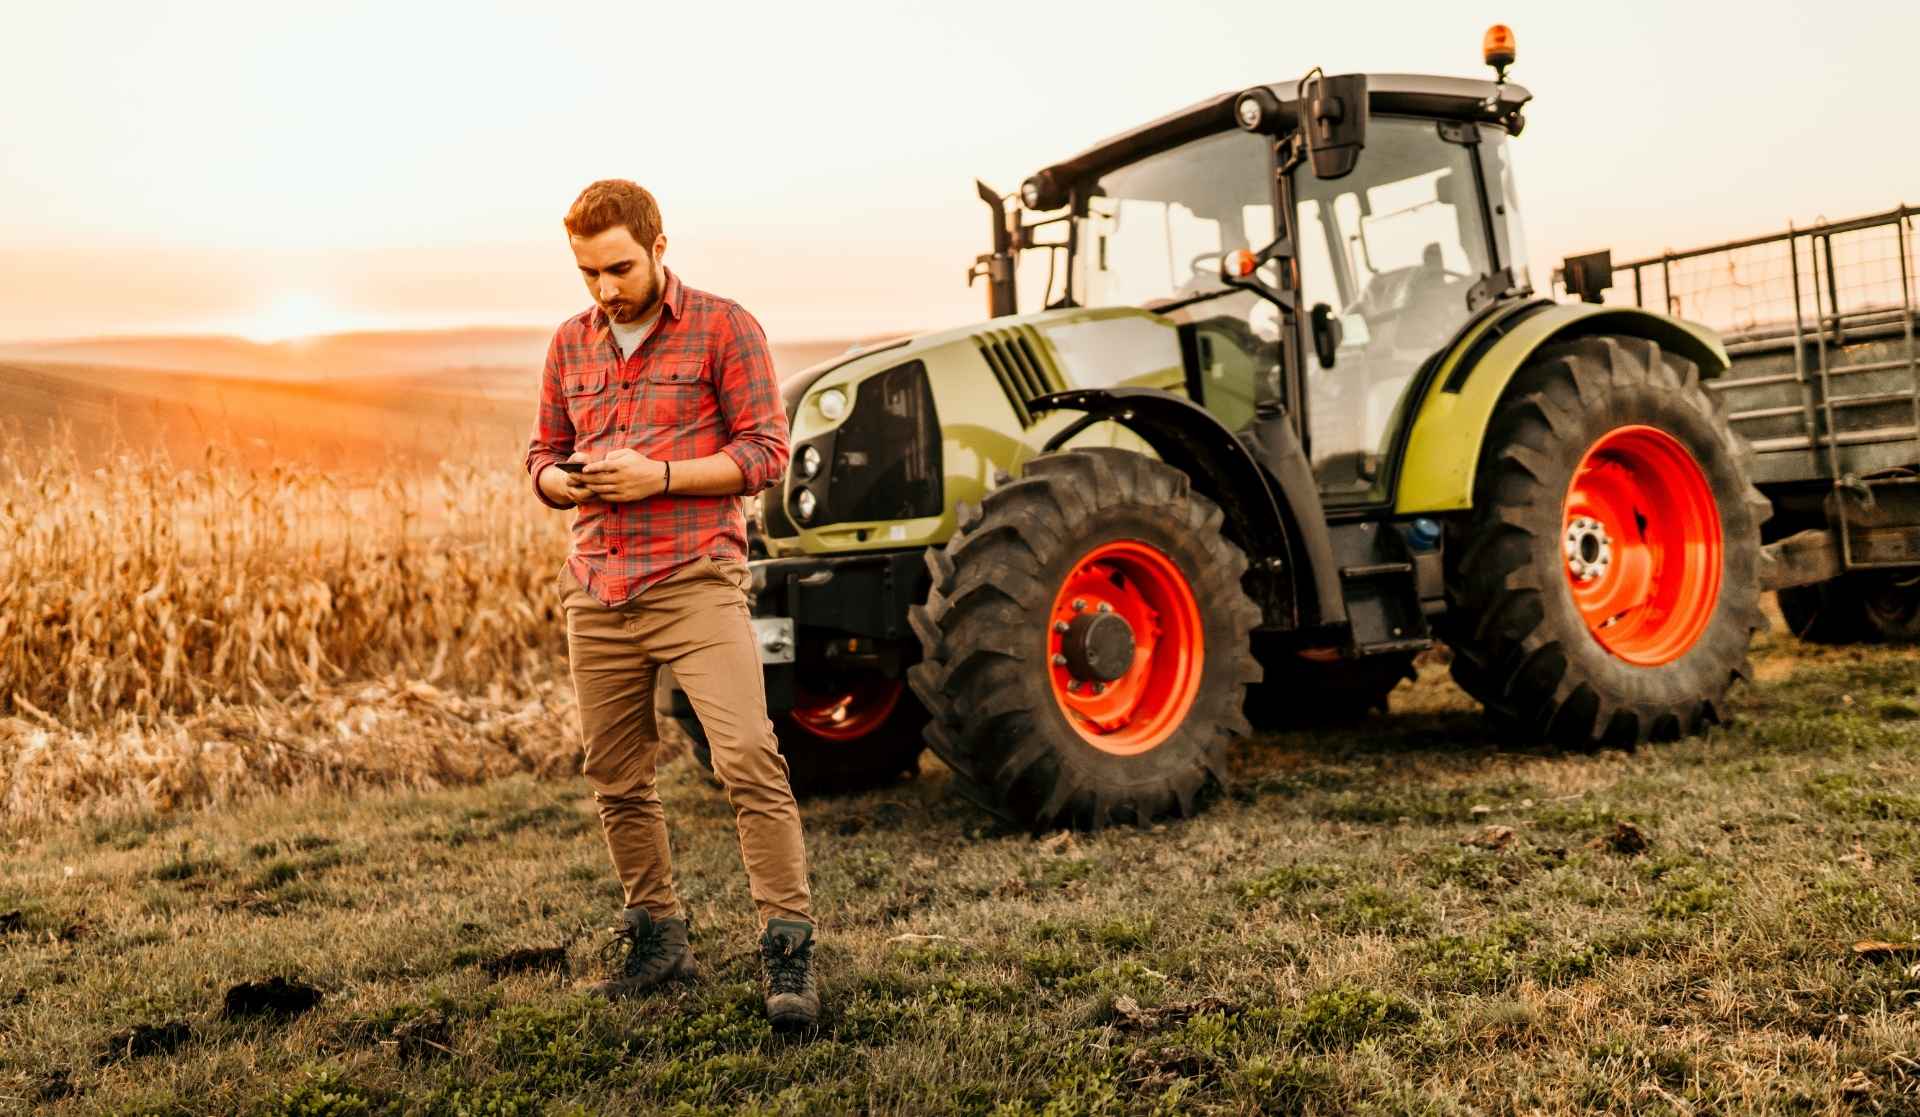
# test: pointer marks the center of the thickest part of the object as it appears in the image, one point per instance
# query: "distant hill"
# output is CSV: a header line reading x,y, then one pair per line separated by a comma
x,y
348,355
328,357
344,402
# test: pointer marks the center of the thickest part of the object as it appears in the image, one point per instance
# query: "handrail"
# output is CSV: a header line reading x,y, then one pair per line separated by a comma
x,y
1852,224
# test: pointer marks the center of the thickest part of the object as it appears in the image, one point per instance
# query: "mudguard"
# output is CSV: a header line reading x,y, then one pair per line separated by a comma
x,y
1263,484
1450,423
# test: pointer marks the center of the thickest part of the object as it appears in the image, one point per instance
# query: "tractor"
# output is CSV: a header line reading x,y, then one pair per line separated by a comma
x,y
1286,414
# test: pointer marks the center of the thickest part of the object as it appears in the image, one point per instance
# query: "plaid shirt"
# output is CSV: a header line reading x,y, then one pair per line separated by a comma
x,y
702,383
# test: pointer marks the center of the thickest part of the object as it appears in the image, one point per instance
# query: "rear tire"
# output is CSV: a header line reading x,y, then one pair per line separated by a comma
x,y
1606,589
1118,535
1862,608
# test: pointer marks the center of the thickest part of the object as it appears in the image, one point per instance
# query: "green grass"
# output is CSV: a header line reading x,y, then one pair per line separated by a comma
x,y
1335,935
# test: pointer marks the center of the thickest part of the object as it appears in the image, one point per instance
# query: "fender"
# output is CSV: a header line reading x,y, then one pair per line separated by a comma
x,y
1263,484
1450,422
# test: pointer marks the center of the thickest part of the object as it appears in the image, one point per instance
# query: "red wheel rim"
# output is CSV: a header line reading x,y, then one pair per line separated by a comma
x,y
1140,709
848,713
1640,545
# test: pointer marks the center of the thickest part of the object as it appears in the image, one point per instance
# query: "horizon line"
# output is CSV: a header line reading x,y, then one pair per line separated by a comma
x,y
227,335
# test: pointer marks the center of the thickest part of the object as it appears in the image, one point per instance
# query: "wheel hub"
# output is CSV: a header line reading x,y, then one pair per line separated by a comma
x,y
1589,549
1098,646
848,711
1125,647
1641,538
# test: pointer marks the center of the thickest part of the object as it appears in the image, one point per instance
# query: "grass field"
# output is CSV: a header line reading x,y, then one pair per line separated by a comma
x,y
1392,919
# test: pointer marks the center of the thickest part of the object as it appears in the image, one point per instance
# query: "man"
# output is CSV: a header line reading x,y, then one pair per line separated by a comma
x,y
668,396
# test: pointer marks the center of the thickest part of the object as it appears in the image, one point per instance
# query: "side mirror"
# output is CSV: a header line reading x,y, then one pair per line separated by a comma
x,y
1333,117
1327,333
1587,276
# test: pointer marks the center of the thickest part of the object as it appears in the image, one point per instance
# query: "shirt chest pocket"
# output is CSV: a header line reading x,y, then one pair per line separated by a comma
x,y
589,400
674,391
589,380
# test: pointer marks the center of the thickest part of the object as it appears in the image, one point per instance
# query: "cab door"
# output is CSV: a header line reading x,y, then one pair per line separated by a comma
x,y
1392,252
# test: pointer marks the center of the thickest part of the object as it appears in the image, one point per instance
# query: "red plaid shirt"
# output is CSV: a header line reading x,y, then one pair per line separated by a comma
x,y
702,383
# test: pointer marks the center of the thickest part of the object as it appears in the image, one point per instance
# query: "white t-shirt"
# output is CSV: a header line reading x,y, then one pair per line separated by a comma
x,y
629,335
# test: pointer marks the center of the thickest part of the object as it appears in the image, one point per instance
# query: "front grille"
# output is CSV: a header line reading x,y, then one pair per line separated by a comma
x,y
1014,357
886,462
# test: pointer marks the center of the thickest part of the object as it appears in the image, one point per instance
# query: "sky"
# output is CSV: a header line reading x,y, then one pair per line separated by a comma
x,y
269,169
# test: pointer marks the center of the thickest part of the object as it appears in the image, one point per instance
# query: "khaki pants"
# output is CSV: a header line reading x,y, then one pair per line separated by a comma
x,y
694,620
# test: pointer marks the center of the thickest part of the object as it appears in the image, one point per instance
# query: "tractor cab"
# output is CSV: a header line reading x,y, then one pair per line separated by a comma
x,y
1315,269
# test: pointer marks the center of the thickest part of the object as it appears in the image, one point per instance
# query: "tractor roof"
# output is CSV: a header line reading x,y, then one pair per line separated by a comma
x,y
1412,94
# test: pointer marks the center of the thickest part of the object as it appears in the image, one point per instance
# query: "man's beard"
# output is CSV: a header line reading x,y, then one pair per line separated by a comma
x,y
624,311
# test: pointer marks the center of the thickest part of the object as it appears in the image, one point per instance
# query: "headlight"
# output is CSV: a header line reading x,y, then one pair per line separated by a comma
x,y
1043,191
809,463
833,404
804,504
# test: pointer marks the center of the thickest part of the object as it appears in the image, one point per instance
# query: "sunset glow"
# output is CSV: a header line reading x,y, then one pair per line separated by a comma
x,y
295,314
208,162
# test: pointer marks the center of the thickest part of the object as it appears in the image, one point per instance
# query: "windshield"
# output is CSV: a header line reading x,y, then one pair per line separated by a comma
x,y
1155,229
1392,251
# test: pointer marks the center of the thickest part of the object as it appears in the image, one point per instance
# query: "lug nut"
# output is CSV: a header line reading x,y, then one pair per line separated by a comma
x,y
1105,608
1099,688
1059,660
1079,606
1073,685
1060,627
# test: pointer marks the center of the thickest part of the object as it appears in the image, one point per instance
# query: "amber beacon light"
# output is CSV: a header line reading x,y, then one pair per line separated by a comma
x,y
1497,47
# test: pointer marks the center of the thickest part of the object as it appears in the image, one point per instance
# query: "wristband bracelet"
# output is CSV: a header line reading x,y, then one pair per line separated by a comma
x,y
667,486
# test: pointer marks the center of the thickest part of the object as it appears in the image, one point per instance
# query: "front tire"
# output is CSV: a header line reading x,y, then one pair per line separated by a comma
x,y
1317,688
1607,587
847,732
1086,644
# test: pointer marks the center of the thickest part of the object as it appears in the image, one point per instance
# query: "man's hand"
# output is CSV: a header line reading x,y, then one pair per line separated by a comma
x,y
562,487
623,476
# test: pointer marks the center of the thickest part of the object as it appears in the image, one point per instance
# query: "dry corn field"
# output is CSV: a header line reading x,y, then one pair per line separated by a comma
x,y
178,631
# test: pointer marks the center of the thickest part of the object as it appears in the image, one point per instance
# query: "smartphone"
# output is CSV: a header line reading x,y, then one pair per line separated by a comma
x,y
571,467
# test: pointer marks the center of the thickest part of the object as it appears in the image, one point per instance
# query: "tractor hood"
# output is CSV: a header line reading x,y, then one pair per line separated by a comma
x,y
1085,345
888,439
794,387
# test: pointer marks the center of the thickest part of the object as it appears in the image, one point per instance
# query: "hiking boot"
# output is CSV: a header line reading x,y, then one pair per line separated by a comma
x,y
656,951
786,955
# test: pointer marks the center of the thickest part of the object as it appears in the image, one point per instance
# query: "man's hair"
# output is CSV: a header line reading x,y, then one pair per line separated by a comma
x,y
615,201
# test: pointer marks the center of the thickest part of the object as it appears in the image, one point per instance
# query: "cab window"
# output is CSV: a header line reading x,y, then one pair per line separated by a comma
x,y
1392,250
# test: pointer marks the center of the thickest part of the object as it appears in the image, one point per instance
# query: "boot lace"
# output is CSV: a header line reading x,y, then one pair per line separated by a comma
x,y
642,945
787,969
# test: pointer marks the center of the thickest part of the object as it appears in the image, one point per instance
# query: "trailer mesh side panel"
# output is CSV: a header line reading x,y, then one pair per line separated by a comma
x,y
1821,325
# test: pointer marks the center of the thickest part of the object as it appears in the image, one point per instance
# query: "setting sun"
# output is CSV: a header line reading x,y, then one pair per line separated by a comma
x,y
295,314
